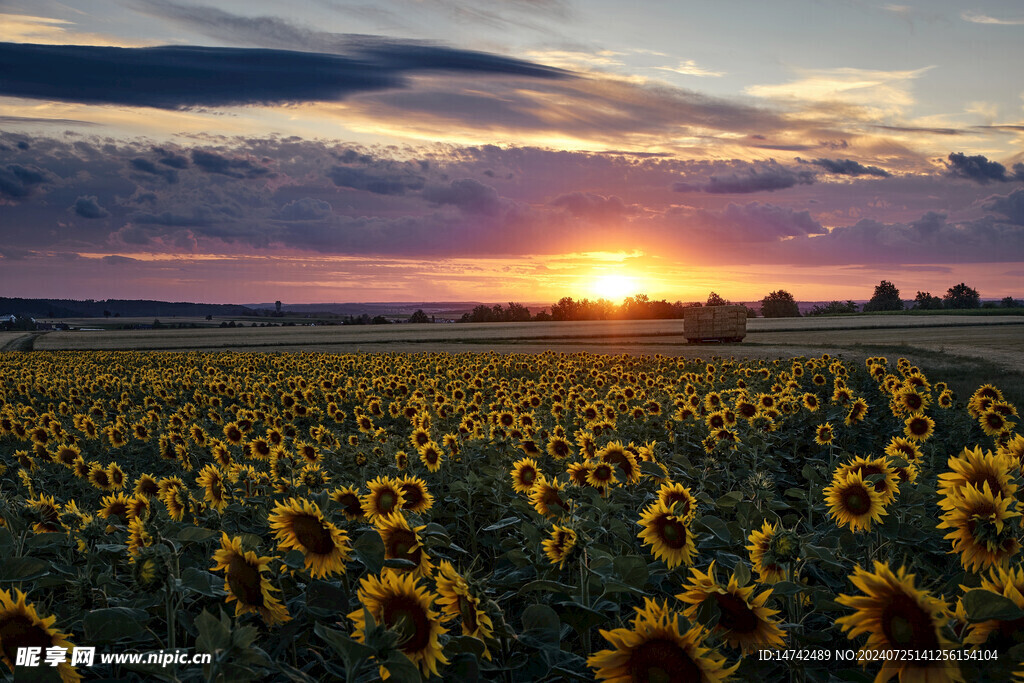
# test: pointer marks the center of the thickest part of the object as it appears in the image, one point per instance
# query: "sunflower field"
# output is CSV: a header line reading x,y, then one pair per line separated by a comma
x,y
306,517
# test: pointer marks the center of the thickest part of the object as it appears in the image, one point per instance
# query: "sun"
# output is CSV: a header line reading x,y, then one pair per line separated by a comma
x,y
614,287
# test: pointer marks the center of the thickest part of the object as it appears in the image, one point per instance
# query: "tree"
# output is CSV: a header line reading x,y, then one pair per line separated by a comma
x,y
1008,302
780,304
419,317
715,300
835,308
886,298
924,301
517,312
961,296
565,309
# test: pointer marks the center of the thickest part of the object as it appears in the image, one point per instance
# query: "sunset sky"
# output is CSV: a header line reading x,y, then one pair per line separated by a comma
x,y
524,150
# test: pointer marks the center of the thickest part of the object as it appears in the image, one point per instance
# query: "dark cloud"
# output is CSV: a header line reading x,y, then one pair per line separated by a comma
x,y
234,168
40,120
389,179
305,209
755,222
174,77
1011,206
147,166
767,177
978,168
467,194
589,205
849,167
171,159
116,260
922,130
17,182
89,207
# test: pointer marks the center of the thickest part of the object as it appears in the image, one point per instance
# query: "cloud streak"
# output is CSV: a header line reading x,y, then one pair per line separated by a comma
x,y
176,77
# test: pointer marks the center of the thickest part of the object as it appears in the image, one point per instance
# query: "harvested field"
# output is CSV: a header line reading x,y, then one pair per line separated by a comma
x,y
999,339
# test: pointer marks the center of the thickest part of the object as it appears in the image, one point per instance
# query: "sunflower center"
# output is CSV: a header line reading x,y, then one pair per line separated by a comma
x,y
905,624
662,661
312,534
244,581
413,496
402,545
352,505
18,630
386,502
857,501
468,611
736,614
407,616
672,533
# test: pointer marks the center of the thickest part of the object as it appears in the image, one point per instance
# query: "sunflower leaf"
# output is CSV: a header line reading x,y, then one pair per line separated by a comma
x,y
202,582
982,605
194,534
369,549
501,524
353,653
113,623
540,618
632,569
399,563
23,569
544,585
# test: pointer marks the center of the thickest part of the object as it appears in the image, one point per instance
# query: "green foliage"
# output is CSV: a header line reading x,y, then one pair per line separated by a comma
x,y
961,296
779,304
885,298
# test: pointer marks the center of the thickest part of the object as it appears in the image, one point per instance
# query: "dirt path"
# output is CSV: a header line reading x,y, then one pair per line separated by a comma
x,y
25,342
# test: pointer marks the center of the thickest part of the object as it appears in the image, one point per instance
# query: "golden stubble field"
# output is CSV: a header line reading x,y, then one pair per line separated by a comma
x,y
999,339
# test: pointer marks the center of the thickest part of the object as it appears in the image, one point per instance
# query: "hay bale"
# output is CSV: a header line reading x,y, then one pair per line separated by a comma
x,y
715,323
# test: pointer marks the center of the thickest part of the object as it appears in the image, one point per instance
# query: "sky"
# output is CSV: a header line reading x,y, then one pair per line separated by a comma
x,y
512,150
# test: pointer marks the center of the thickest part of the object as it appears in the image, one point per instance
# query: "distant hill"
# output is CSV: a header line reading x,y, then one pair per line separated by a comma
x,y
90,308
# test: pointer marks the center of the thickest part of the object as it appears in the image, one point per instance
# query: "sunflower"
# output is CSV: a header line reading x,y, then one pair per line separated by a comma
x,y
397,603
348,499
67,455
138,537
668,534
997,633
417,497
578,472
245,583
545,498
233,433
979,528
887,486
147,486
771,550
401,460
176,500
298,524
45,514
857,412
908,400
385,497
810,402
677,494
853,502
918,427
900,447
99,477
972,467
524,475
994,423
115,505
558,546
456,600
898,616
618,455
138,507
212,481
824,435
601,475
402,542
21,626
559,448
431,456
745,623
654,649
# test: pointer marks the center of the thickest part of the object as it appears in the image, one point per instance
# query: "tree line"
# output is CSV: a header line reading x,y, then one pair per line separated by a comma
x,y
777,304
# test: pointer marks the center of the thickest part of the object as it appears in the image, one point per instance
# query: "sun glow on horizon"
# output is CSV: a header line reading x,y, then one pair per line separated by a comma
x,y
614,286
